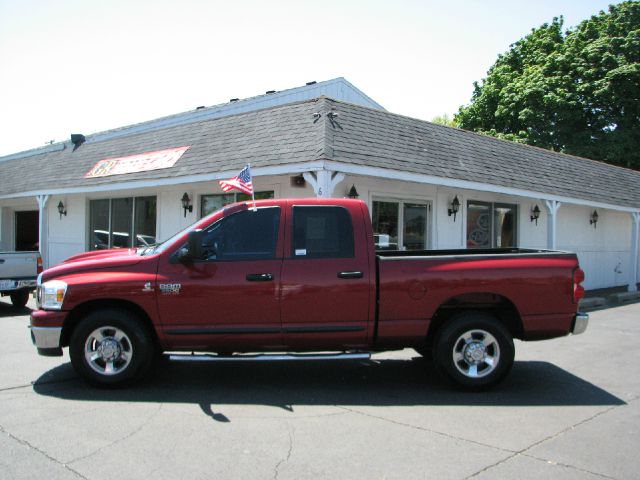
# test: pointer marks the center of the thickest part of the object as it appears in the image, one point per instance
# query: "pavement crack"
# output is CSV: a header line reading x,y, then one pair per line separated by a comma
x,y
66,466
288,456
435,432
524,451
36,383
121,439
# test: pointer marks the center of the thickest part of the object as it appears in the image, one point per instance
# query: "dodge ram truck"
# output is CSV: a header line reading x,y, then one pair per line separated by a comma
x,y
301,279
18,273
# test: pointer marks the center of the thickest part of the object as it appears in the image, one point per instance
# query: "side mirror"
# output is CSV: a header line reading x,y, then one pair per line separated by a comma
x,y
193,251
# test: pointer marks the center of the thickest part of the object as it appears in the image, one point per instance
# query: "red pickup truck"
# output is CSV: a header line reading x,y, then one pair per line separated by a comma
x,y
301,276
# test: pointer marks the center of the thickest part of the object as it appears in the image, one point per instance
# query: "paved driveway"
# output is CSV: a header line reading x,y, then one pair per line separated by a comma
x,y
569,410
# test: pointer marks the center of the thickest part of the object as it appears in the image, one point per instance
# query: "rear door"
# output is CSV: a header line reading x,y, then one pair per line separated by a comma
x,y
325,279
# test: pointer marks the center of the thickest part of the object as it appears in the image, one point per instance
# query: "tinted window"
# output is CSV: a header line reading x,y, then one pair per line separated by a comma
x,y
246,235
322,232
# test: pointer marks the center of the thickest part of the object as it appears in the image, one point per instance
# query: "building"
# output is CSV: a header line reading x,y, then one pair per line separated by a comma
x,y
427,185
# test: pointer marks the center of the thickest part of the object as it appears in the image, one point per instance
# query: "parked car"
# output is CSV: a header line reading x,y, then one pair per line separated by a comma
x,y
18,273
302,276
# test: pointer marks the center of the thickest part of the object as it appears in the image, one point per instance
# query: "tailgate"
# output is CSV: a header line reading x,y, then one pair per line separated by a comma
x,y
14,265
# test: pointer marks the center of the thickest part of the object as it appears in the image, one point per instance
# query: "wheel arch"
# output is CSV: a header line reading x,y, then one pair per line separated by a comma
x,y
495,304
80,311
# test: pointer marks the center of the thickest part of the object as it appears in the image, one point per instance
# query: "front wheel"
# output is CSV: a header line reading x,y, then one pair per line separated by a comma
x,y
111,348
474,350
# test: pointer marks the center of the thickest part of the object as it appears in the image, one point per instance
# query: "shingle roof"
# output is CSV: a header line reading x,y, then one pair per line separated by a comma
x,y
373,138
359,136
268,137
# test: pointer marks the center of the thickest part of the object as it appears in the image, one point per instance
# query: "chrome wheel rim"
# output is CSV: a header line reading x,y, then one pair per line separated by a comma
x,y
476,353
108,350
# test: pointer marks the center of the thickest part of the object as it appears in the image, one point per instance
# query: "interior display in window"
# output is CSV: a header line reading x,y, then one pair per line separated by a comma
x,y
399,225
414,227
491,225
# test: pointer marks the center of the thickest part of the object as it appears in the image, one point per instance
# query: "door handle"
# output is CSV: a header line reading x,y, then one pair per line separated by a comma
x,y
350,274
1,260
259,277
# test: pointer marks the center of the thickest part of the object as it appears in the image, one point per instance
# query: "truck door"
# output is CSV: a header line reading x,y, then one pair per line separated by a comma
x,y
229,300
325,280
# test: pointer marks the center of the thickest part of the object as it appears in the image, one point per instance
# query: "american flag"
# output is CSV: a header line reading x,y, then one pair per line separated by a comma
x,y
240,182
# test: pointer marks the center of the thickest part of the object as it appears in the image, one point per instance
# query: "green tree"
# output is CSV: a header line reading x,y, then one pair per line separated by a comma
x,y
576,92
444,119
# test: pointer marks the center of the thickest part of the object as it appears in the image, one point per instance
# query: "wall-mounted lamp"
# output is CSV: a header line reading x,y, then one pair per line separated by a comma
x,y
455,206
594,219
353,193
186,204
535,214
62,210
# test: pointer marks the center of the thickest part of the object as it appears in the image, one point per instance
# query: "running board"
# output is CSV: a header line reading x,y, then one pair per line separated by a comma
x,y
207,357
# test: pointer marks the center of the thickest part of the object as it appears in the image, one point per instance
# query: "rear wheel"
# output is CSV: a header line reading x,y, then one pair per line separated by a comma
x,y
474,350
111,348
20,298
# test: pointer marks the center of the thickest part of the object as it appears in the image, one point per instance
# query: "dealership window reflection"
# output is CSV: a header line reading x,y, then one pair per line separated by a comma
x,y
122,222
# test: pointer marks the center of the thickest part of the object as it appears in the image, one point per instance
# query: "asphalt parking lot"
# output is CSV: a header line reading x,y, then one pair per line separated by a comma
x,y
569,410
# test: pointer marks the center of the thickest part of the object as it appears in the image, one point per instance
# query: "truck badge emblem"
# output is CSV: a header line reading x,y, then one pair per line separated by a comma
x,y
170,288
147,287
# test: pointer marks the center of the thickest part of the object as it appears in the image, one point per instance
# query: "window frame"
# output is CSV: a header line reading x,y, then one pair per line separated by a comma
x,y
402,202
132,233
493,206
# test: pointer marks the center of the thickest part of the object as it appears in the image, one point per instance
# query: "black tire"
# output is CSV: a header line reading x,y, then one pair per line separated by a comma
x,y
474,350
111,348
20,298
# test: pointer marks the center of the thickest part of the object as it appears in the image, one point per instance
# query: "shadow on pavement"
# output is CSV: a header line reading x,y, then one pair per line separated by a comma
x,y
387,382
8,310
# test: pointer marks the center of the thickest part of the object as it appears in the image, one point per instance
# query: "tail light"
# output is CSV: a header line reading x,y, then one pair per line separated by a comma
x,y
578,289
39,268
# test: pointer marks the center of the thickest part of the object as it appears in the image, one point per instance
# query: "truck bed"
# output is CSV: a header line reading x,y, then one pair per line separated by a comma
x,y
533,286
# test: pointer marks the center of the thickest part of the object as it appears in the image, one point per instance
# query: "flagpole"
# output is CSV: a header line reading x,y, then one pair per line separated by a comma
x,y
253,195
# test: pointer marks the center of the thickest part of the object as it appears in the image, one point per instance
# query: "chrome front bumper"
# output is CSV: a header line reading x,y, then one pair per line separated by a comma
x,y
580,323
47,340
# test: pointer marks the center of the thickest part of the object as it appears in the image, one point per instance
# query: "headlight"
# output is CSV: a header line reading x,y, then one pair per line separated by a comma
x,y
51,294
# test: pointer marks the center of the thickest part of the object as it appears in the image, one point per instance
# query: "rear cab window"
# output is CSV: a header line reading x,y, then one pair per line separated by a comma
x,y
322,232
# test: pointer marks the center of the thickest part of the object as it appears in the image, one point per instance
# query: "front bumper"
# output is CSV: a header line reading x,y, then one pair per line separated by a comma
x,y
580,323
46,332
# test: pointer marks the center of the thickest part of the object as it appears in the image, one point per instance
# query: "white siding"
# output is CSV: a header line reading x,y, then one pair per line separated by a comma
x,y
604,251
67,235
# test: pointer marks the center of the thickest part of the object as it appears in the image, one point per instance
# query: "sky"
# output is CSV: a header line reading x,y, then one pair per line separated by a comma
x,y
85,66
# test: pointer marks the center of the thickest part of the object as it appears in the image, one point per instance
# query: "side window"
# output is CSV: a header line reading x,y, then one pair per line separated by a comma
x,y
246,235
322,232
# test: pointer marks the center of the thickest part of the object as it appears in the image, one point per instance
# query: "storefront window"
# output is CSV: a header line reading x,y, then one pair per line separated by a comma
x,y
122,222
399,225
211,203
491,225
